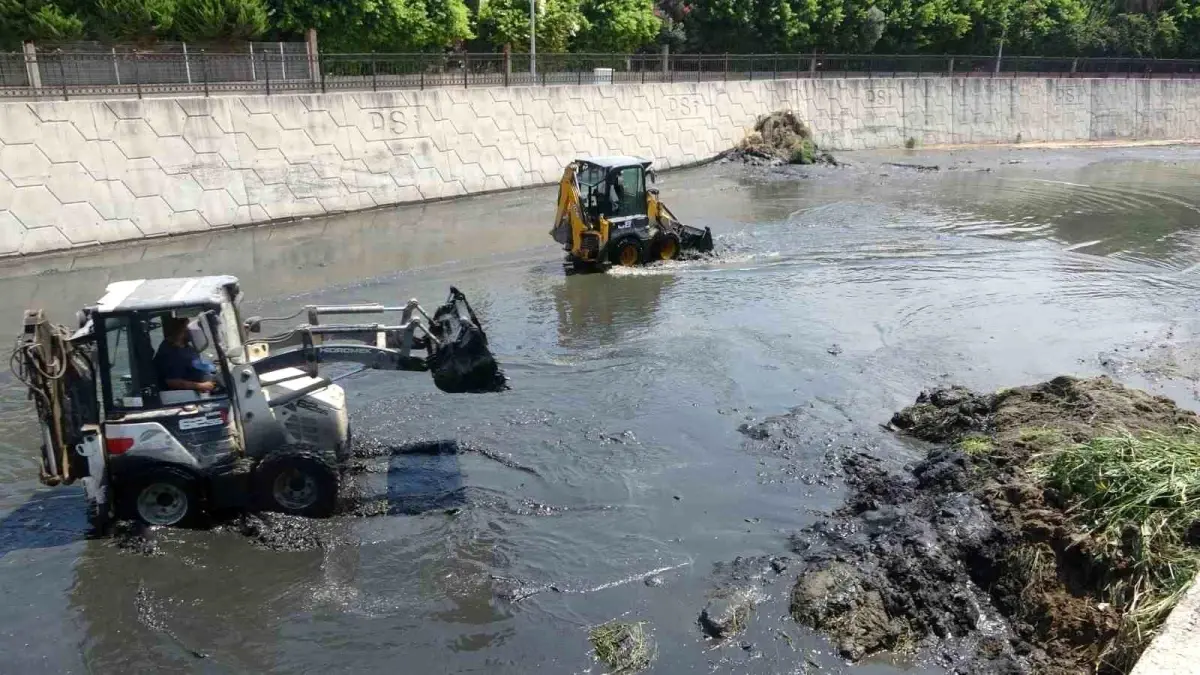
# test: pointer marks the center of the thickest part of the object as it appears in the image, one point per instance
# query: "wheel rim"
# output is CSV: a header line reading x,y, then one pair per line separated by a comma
x,y
668,249
628,255
294,489
162,504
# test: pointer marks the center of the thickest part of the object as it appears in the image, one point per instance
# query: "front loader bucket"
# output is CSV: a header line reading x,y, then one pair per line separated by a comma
x,y
695,240
461,362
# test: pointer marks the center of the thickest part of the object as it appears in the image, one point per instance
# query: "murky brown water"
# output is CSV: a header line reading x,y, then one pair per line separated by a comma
x,y
840,292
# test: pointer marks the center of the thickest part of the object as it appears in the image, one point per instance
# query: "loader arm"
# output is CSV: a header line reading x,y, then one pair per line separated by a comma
x,y
367,356
456,347
691,238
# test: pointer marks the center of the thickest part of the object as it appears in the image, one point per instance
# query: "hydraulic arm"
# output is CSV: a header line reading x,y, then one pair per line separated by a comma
x,y
456,350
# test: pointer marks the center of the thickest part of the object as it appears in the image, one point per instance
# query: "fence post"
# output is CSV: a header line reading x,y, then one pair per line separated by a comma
x,y
775,68
315,72
725,68
950,70
466,70
282,63
204,70
507,62
31,66
751,67
116,66
666,60
374,74
137,72
187,66
267,67
253,75
812,65
62,73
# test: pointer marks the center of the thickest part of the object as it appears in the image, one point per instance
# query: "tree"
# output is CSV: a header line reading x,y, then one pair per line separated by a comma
x,y
43,20
618,26
362,26
447,23
137,21
221,20
506,22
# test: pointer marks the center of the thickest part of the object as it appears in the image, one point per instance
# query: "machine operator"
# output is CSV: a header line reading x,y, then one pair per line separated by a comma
x,y
178,364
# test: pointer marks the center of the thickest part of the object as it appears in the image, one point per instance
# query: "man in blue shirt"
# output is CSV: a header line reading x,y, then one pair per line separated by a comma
x,y
178,364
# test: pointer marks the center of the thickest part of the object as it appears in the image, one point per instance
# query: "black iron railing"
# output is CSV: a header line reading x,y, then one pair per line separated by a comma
x,y
68,75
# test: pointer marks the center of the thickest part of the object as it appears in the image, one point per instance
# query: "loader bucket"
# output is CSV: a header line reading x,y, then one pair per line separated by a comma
x,y
695,240
462,362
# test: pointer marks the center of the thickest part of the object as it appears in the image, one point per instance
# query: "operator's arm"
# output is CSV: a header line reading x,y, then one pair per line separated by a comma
x,y
173,383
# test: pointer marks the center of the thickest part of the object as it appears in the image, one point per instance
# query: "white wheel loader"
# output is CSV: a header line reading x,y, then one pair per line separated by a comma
x,y
270,432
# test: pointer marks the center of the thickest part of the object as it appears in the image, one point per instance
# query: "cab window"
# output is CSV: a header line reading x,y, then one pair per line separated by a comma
x,y
632,194
127,387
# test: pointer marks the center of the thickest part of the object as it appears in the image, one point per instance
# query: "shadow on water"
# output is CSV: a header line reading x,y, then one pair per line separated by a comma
x,y
50,518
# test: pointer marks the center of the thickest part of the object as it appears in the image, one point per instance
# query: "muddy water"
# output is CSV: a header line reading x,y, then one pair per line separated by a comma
x,y
626,489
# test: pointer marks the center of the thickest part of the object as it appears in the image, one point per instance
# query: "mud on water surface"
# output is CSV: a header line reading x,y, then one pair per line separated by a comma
x,y
965,552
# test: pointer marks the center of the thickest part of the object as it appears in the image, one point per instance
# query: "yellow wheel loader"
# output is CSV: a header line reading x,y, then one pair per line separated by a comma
x,y
607,216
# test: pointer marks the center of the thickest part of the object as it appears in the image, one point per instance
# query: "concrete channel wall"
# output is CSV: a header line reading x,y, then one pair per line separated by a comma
x,y
80,173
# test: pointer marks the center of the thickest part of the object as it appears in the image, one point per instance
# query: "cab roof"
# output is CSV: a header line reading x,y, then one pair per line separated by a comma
x,y
616,161
151,294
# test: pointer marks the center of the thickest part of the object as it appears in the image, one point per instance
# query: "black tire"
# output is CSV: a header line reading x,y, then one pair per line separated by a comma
x,y
667,247
296,482
627,252
163,495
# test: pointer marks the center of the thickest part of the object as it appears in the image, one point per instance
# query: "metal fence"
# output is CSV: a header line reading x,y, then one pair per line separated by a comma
x,y
272,68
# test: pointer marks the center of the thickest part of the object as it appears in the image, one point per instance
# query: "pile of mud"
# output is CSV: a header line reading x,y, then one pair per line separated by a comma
x,y
964,553
779,138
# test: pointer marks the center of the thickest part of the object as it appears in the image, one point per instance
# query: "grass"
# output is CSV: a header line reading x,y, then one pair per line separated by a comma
x,y
974,445
1041,439
623,646
1138,497
910,143
804,151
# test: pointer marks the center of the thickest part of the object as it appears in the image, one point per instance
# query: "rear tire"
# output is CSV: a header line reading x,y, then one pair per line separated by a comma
x,y
164,496
627,252
297,483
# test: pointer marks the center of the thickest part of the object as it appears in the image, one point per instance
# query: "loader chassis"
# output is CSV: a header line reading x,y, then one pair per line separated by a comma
x,y
607,216
271,434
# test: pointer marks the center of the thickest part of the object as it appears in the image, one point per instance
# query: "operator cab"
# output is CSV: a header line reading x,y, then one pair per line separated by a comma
x,y
129,323
137,399
615,188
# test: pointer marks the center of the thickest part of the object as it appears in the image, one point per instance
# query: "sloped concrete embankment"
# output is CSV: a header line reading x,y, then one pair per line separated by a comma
x,y
82,173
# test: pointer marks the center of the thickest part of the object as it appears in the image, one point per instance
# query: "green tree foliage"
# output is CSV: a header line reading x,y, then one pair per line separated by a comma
x,y
221,20
363,26
447,23
22,20
618,26
504,22
1148,28
136,21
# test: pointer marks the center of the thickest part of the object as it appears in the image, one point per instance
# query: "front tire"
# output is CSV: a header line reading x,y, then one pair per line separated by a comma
x,y
297,483
162,496
667,247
